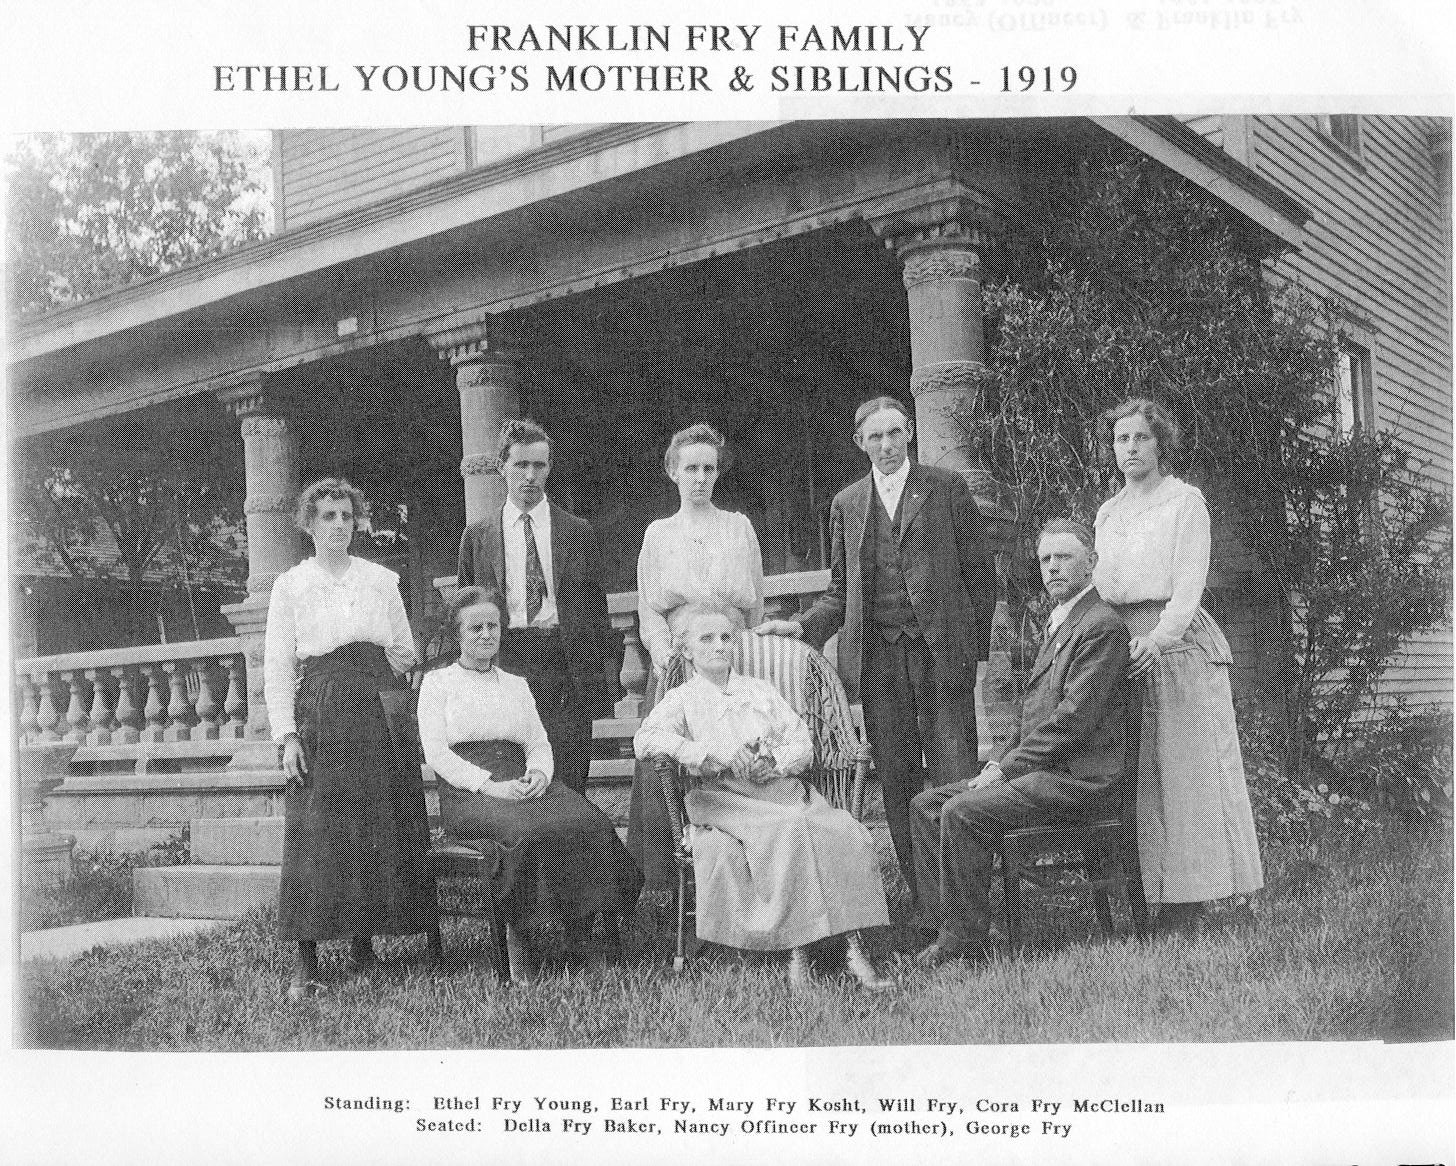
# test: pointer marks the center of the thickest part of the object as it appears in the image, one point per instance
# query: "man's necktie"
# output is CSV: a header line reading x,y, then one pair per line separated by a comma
x,y
535,576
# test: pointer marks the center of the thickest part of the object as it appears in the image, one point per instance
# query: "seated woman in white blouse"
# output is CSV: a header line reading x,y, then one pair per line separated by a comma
x,y
776,865
484,739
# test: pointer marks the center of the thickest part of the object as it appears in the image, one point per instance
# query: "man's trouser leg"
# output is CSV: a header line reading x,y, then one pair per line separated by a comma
x,y
958,830
907,714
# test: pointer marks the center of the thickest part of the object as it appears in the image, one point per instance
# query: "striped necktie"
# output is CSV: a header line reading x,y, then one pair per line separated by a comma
x,y
535,576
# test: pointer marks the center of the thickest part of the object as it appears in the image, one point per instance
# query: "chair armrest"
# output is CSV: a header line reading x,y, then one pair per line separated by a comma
x,y
669,773
861,775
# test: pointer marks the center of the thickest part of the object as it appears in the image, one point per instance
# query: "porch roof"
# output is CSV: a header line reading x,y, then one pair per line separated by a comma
x,y
99,357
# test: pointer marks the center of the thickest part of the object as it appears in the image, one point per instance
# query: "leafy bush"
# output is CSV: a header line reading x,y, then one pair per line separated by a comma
x,y
1288,810
1402,762
99,886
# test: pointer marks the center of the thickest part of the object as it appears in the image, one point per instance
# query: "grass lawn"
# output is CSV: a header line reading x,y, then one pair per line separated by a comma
x,y
1352,941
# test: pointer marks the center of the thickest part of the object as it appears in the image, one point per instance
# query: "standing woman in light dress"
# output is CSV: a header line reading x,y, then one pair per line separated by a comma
x,y
700,555
355,836
1196,838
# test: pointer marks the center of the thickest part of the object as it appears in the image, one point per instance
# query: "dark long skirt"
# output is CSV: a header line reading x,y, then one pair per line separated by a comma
x,y
563,859
355,836
649,829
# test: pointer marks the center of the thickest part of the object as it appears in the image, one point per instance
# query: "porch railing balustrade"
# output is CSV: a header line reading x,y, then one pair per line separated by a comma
x,y
198,691
193,691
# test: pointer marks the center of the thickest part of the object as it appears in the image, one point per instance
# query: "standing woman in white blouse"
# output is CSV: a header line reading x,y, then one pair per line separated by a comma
x,y
355,834
1196,837
700,555
483,737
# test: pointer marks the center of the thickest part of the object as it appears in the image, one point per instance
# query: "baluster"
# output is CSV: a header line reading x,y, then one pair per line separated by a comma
x,y
129,721
155,711
76,709
179,708
29,725
207,708
47,716
101,719
634,671
235,704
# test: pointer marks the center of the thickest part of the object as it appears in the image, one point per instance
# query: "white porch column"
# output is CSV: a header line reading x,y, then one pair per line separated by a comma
x,y
939,232
487,375
939,242
270,453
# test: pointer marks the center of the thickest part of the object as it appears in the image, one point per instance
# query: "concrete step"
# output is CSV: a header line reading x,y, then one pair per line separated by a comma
x,y
202,892
237,841
611,771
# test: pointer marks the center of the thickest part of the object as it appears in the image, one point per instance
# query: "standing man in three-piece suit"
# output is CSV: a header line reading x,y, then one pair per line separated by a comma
x,y
1062,765
543,562
912,591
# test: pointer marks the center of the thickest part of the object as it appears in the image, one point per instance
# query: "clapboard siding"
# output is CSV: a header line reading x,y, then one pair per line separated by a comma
x,y
328,172
1377,243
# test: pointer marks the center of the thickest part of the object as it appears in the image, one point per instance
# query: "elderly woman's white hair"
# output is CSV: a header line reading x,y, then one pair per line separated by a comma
x,y
680,622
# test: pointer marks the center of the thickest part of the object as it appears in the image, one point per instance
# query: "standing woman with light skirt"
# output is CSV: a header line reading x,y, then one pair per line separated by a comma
x,y
700,555
1196,839
355,836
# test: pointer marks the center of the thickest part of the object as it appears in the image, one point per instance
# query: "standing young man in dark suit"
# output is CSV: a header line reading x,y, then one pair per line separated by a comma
x,y
543,562
1062,765
912,591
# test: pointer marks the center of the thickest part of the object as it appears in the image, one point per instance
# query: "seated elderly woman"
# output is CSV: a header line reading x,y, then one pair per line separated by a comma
x,y
483,737
776,865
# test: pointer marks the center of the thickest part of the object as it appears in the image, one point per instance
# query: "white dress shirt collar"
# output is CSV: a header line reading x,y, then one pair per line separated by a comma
x,y
1062,610
891,486
540,513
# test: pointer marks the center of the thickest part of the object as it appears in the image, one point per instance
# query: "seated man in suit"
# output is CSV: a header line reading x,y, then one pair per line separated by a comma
x,y
1062,765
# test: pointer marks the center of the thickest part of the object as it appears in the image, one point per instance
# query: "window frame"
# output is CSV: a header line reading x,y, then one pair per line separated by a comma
x,y
1345,132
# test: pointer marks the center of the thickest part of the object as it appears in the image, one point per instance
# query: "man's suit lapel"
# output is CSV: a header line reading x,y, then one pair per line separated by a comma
x,y
916,491
560,553
858,514
1064,633
496,548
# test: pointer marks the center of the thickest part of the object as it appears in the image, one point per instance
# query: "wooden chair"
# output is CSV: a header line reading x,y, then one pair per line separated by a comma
x,y
812,687
1104,851
477,862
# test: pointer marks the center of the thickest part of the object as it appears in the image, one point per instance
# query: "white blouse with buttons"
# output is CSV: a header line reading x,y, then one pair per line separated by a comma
x,y
311,613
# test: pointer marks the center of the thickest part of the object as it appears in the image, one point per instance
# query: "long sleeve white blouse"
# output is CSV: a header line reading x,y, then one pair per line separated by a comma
x,y
677,567
311,613
1155,548
461,704
697,719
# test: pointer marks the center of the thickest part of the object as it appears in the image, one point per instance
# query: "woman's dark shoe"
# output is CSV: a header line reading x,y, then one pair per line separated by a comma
x,y
800,977
361,955
518,952
1181,919
300,988
304,981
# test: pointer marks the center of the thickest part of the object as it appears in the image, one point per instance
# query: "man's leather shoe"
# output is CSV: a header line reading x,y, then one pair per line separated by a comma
x,y
943,950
